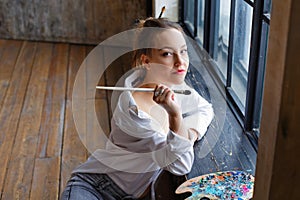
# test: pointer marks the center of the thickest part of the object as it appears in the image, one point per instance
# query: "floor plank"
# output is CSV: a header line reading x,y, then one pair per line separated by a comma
x,y
11,184
22,158
9,52
2,46
51,130
71,158
52,125
46,179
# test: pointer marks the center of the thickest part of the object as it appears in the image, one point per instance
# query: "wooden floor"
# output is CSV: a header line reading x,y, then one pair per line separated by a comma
x,y
39,144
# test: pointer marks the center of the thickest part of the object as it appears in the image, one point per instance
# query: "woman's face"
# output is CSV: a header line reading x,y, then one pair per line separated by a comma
x,y
168,62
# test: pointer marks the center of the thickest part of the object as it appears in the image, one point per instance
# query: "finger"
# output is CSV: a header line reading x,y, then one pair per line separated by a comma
x,y
159,90
156,91
166,93
165,97
169,94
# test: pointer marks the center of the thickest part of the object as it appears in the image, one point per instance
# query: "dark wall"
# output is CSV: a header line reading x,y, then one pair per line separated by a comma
x,y
76,21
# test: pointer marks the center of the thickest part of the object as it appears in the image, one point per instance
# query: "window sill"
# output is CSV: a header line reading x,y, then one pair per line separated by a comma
x,y
225,146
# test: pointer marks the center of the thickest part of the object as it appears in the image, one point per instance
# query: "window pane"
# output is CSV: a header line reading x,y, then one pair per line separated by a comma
x,y
201,10
221,38
189,15
267,6
241,49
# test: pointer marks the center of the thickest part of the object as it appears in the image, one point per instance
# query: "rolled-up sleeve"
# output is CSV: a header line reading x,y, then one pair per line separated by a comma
x,y
176,156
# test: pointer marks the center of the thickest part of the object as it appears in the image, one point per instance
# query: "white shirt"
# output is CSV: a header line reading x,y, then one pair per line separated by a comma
x,y
138,147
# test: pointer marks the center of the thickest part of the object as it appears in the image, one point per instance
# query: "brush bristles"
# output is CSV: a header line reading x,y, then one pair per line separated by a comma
x,y
185,92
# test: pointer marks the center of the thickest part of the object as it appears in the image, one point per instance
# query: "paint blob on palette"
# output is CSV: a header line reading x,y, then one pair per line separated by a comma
x,y
237,185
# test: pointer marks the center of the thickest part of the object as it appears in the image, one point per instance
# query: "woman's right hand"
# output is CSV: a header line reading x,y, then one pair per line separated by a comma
x,y
164,96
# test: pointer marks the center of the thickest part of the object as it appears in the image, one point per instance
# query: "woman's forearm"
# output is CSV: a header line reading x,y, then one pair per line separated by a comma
x,y
175,125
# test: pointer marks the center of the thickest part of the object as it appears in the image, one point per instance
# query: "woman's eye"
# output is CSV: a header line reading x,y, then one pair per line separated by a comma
x,y
184,51
167,54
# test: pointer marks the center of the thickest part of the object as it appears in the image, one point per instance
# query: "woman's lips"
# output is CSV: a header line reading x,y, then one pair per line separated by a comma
x,y
180,71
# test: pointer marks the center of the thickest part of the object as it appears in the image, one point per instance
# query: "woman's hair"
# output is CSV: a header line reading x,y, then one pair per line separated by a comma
x,y
145,37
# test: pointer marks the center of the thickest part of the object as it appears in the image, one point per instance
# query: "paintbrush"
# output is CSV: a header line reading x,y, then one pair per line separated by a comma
x,y
162,11
185,92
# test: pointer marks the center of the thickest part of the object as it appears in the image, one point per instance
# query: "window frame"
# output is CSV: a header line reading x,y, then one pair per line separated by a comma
x,y
249,121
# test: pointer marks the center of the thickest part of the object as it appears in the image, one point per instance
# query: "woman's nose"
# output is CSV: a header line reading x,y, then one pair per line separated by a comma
x,y
179,60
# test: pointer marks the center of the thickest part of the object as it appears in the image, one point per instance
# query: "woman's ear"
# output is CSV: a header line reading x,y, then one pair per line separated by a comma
x,y
145,61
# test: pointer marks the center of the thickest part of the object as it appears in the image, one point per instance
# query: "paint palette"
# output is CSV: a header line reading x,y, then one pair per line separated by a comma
x,y
220,185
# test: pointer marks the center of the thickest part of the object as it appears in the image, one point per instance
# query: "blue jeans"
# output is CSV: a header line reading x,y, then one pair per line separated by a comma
x,y
93,187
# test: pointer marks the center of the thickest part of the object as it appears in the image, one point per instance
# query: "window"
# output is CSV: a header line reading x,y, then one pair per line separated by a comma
x,y
234,33
241,50
220,40
189,19
200,27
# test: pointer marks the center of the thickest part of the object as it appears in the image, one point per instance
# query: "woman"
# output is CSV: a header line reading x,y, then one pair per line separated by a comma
x,y
150,131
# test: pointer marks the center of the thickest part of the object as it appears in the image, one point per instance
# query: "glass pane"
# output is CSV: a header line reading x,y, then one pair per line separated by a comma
x,y
267,6
221,38
189,15
201,10
241,49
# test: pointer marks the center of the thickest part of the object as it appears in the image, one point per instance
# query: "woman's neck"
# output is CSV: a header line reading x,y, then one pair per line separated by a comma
x,y
148,85
145,95
151,82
